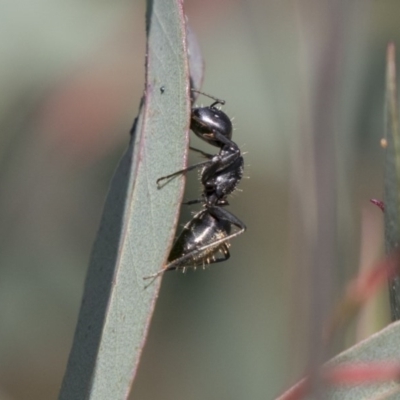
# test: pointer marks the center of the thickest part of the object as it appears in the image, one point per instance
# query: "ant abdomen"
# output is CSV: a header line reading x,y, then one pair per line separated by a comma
x,y
197,239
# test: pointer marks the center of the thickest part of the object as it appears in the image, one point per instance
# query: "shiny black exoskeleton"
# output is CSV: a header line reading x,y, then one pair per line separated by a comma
x,y
209,231
206,235
220,177
221,172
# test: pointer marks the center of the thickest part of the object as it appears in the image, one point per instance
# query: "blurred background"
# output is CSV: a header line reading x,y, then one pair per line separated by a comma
x,y
71,78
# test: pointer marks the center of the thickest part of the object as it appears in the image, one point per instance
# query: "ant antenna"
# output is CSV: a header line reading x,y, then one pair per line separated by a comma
x,y
217,101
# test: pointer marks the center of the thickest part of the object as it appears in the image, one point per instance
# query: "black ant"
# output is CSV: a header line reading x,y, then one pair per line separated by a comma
x,y
210,229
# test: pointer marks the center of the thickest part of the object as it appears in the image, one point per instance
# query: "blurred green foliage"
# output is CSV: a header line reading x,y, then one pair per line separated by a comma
x,y
72,76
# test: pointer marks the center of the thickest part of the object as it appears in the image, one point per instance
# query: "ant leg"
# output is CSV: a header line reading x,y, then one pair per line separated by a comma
x,y
217,101
217,242
183,171
226,255
190,202
181,261
227,142
217,164
177,264
222,164
153,277
221,213
204,154
173,265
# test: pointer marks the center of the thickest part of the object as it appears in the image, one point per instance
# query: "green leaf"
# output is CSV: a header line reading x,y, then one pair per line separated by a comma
x,y
196,62
390,395
392,175
384,346
138,223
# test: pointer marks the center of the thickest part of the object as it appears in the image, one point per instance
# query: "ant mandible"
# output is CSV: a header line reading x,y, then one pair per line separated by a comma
x,y
209,231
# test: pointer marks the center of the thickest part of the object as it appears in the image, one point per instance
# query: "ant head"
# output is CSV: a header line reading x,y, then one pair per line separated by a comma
x,y
207,121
